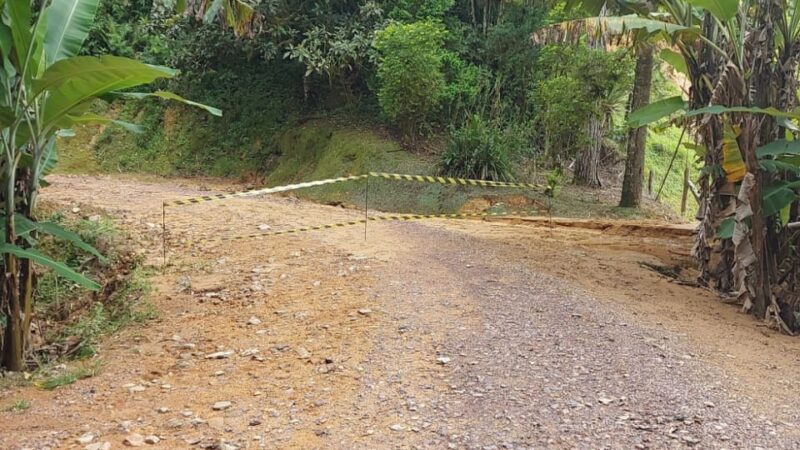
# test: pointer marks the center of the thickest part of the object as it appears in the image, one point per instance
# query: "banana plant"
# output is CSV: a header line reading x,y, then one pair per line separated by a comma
x,y
741,58
45,90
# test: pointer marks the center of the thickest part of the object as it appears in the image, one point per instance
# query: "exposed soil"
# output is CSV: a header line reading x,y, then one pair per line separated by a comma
x,y
502,333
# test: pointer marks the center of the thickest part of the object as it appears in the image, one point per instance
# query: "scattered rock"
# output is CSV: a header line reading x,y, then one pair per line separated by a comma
x,y
605,400
253,320
249,352
152,439
163,410
443,360
220,355
302,353
98,446
85,438
137,388
397,427
264,227
255,421
365,311
221,406
134,440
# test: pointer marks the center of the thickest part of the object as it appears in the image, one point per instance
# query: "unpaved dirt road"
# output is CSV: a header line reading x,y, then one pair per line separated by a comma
x,y
438,334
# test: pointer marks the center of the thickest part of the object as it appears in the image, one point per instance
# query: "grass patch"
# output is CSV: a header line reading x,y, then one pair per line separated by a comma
x,y
73,321
660,149
18,405
70,376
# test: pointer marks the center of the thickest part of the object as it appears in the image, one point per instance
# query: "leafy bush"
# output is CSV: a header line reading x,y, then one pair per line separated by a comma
x,y
572,85
411,10
410,73
479,150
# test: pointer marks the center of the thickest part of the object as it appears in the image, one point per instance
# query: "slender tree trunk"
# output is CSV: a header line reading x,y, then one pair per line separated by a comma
x,y
587,165
13,342
633,180
588,162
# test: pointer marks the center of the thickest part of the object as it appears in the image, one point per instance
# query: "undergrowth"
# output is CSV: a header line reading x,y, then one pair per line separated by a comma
x,y
72,321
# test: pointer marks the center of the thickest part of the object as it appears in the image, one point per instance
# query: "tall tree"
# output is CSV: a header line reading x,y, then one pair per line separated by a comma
x,y
633,179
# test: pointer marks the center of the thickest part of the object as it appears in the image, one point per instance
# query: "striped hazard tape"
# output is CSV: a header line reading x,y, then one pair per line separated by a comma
x,y
384,218
448,180
388,176
272,190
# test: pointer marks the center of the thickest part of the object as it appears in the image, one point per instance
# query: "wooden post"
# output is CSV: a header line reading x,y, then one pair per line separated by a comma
x,y
650,183
685,190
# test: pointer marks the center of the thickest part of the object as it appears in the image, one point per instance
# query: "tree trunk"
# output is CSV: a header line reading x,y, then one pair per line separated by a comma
x,y
632,182
587,165
13,339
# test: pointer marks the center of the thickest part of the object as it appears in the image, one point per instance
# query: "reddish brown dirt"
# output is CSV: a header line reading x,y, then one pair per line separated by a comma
x,y
310,383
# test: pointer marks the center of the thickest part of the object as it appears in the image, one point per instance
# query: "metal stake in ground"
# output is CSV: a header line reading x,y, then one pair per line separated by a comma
x,y
164,233
366,206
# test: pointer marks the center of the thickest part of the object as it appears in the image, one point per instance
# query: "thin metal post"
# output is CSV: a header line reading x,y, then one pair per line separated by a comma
x,y
164,233
366,207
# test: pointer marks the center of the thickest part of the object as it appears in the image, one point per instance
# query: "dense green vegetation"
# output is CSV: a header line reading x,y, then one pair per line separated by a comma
x,y
458,85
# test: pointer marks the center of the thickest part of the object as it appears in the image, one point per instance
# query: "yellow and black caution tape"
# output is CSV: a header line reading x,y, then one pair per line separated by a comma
x,y
383,218
388,176
448,180
254,192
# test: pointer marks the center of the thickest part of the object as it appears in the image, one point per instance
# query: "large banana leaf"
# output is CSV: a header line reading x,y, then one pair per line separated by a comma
x,y
674,59
732,161
96,118
75,80
779,147
69,22
721,9
656,111
171,96
24,226
572,30
57,267
779,196
18,17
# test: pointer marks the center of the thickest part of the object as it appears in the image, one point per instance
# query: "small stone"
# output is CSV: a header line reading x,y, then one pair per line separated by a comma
x,y
152,439
302,353
98,446
397,427
605,400
264,227
76,210
137,388
221,406
220,355
249,352
709,404
255,421
253,320
86,438
365,311
691,440
443,360
134,440
163,410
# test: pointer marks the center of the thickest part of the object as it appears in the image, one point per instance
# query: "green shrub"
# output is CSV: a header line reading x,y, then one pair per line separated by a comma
x,y
410,74
573,85
479,150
